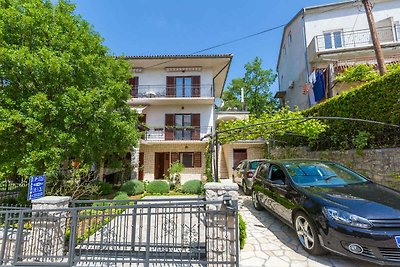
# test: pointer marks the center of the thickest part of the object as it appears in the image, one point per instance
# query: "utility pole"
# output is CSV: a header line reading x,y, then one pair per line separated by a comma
x,y
375,39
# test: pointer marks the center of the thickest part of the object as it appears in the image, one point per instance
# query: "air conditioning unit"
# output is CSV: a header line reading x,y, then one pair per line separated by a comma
x,y
291,85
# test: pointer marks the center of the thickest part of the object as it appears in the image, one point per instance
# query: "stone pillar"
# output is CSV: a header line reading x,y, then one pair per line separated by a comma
x,y
222,224
48,229
135,163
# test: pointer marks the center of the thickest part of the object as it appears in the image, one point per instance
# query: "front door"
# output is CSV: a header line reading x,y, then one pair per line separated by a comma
x,y
238,156
141,165
161,164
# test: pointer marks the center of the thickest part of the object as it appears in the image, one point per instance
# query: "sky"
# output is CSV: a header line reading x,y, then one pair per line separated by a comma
x,y
158,27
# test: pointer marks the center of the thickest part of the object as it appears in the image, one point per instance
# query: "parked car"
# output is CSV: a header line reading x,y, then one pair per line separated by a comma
x,y
243,174
331,208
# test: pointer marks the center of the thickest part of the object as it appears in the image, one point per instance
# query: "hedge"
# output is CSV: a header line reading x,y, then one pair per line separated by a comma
x,y
242,232
133,187
158,187
378,100
105,188
192,187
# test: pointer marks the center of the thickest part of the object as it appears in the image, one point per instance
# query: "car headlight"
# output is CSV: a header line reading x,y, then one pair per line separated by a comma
x,y
344,217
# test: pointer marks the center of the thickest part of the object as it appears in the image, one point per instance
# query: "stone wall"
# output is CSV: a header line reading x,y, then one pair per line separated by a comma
x,y
379,164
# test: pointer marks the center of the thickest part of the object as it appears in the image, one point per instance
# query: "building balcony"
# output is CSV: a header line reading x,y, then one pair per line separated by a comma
x,y
189,133
162,94
353,43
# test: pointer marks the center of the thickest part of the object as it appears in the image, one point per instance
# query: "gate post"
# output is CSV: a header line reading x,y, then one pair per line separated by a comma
x,y
222,224
49,223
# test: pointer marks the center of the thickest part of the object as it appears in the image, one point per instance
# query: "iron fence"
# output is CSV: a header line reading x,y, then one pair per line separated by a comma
x,y
9,189
154,232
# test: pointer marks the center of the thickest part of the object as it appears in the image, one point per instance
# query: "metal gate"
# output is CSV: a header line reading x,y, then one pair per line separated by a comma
x,y
151,232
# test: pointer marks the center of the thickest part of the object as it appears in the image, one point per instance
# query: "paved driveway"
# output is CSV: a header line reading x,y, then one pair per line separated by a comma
x,y
271,243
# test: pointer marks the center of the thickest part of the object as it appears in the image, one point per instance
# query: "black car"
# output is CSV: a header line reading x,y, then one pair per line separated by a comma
x,y
243,174
331,208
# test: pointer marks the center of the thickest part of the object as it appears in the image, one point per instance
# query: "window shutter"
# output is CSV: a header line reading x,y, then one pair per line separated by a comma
x,y
169,124
134,83
196,86
197,159
171,87
174,157
195,123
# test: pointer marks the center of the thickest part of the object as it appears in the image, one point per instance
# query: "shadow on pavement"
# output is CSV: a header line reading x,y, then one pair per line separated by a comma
x,y
288,237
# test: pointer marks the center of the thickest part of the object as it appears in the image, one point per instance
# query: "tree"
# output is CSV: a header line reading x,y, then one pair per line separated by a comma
x,y
62,96
256,85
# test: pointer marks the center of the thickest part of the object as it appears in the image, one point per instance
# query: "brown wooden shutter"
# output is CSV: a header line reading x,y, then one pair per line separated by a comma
x,y
171,87
134,83
195,123
197,159
169,124
196,86
174,157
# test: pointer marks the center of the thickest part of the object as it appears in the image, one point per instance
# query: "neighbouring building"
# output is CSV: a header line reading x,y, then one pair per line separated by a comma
x,y
175,95
324,40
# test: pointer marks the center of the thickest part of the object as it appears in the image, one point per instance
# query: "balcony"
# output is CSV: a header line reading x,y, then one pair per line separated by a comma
x,y
331,43
188,133
157,91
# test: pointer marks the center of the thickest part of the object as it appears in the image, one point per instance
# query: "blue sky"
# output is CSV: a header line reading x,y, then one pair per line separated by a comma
x,y
154,27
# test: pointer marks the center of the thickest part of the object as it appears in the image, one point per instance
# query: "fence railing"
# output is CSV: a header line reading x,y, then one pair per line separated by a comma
x,y
154,232
355,39
155,91
176,133
9,189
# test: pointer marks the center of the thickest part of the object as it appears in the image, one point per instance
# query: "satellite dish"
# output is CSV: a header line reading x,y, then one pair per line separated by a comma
x,y
218,102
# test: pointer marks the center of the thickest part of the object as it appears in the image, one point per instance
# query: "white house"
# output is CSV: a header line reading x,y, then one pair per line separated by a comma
x,y
175,94
328,38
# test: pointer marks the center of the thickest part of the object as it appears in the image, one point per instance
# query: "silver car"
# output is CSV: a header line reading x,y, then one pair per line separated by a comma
x,y
243,174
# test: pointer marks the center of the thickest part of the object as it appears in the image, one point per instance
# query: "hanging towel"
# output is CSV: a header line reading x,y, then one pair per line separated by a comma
x,y
319,86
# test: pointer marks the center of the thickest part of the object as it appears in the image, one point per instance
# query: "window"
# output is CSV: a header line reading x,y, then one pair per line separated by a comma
x,y
276,175
182,126
183,86
290,37
333,39
186,158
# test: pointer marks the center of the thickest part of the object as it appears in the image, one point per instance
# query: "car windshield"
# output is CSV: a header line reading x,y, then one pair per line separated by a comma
x,y
254,165
322,174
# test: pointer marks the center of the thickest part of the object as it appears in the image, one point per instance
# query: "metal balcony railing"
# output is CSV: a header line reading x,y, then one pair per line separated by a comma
x,y
156,91
176,133
354,39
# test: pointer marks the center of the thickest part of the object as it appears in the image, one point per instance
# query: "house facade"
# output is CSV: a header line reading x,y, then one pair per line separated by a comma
x,y
324,40
175,95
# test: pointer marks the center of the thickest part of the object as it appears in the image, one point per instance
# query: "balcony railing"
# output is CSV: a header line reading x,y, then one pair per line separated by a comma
x,y
176,133
354,39
156,91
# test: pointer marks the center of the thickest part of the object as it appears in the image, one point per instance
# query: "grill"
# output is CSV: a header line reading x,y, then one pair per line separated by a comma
x,y
391,254
386,223
367,252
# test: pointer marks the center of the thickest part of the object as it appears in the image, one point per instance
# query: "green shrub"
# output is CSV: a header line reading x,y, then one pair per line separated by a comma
x,y
102,204
133,187
377,100
9,201
158,187
105,188
121,196
242,232
192,187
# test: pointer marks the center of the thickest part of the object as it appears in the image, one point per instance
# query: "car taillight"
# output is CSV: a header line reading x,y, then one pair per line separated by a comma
x,y
249,174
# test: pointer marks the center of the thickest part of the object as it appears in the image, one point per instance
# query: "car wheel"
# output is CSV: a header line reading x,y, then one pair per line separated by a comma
x,y
307,234
246,190
256,203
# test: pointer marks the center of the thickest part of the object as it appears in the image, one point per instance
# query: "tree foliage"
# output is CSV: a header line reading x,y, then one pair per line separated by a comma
x,y
270,125
256,84
62,96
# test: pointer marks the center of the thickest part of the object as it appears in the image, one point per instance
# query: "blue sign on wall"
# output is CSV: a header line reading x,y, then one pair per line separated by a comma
x,y
36,186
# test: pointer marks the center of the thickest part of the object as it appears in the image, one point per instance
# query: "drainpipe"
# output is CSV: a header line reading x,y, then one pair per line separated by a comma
x,y
305,49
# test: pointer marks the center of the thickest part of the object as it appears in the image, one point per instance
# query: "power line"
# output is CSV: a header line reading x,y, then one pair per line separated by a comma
x,y
222,44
